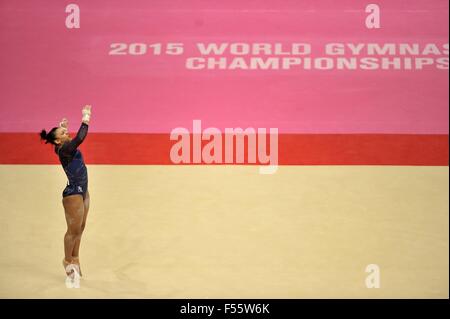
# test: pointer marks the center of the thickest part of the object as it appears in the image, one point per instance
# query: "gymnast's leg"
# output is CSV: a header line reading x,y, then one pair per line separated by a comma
x,y
76,247
74,212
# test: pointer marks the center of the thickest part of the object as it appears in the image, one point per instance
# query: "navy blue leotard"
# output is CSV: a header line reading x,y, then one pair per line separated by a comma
x,y
73,164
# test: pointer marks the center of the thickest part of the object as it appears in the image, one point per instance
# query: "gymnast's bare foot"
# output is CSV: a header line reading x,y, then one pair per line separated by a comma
x,y
76,261
65,264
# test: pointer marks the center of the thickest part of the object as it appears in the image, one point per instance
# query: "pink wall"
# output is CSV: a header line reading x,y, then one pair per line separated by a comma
x,y
49,71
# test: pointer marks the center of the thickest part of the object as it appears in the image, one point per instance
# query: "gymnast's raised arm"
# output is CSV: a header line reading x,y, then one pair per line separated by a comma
x,y
70,147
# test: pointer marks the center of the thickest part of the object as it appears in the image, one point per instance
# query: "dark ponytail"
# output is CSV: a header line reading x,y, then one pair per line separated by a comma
x,y
43,135
48,137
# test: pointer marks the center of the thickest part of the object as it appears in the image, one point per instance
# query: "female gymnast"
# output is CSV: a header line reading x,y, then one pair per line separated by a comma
x,y
75,195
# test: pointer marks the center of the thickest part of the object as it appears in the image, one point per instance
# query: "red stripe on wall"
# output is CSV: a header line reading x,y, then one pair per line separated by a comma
x,y
294,149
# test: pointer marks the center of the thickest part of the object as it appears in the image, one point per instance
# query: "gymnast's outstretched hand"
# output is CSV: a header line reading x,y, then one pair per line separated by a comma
x,y
64,123
86,114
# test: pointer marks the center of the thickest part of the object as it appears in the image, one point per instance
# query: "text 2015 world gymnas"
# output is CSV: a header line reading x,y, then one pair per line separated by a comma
x,y
305,56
